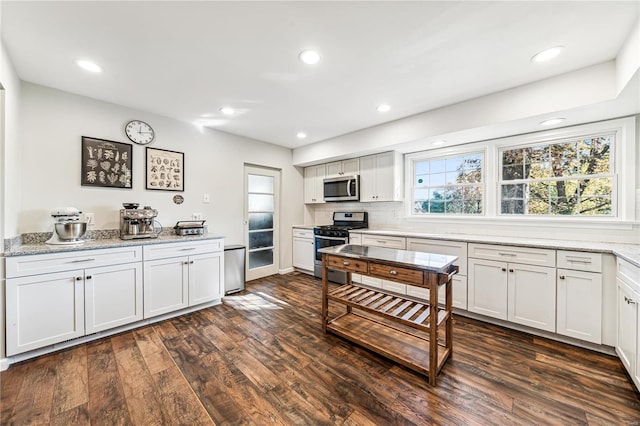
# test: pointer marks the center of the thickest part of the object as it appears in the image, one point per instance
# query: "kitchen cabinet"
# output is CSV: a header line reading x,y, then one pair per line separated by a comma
x,y
314,184
518,292
380,241
303,250
579,281
381,177
458,281
342,168
56,297
628,318
180,275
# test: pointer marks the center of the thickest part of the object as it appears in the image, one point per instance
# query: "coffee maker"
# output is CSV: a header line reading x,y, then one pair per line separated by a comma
x,y
138,223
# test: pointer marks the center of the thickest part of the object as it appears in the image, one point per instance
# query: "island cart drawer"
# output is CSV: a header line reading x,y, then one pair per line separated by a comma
x,y
394,273
302,233
514,254
349,265
580,261
384,241
20,266
166,250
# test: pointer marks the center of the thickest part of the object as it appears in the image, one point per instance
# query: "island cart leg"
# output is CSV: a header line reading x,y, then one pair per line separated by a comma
x,y
350,282
449,309
325,290
432,281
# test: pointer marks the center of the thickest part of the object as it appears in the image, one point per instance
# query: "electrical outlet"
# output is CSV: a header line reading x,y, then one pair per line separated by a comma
x,y
196,216
89,218
205,198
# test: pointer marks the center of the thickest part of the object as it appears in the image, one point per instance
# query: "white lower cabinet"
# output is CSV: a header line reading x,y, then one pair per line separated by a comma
x,y
628,318
580,305
43,310
459,289
524,294
47,304
303,249
174,280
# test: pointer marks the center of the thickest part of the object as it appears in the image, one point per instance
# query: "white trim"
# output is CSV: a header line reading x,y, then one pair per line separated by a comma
x,y
4,364
285,271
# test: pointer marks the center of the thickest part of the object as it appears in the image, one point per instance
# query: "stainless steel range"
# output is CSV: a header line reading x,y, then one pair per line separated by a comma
x,y
335,235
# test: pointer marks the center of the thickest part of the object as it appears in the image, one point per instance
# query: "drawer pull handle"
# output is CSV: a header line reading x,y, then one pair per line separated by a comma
x,y
629,301
561,277
82,260
191,263
185,263
381,242
345,263
393,272
504,269
506,254
188,249
80,279
578,259
510,270
88,277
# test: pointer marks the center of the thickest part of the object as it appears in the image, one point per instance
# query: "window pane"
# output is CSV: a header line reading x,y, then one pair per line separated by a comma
x,y
512,207
595,206
513,157
454,164
260,258
595,155
422,180
438,179
422,167
564,159
262,184
260,239
437,166
260,221
538,161
538,198
260,203
454,201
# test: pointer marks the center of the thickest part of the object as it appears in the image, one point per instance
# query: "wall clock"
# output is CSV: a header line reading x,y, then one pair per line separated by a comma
x,y
139,132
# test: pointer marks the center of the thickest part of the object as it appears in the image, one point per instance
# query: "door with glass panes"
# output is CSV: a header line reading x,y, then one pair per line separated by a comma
x,y
261,221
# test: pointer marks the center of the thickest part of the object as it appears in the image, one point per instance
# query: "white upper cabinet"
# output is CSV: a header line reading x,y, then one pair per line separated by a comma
x,y
343,168
381,177
313,184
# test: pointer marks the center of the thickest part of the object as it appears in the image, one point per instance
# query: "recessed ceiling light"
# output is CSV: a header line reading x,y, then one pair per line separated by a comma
x,y
227,110
438,142
301,135
383,108
309,57
88,66
551,121
547,54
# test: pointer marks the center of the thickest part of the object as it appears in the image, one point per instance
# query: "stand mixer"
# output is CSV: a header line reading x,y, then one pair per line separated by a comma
x,y
67,229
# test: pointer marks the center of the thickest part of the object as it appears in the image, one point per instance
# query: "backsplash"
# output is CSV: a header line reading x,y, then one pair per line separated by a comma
x,y
390,215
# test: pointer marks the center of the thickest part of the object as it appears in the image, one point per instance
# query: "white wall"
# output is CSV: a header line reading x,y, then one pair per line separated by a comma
x,y
52,123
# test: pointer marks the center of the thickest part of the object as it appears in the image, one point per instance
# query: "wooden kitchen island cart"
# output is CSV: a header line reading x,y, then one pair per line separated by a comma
x,y
415,333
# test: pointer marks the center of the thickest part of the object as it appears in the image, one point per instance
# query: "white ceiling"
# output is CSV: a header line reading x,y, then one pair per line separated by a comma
x,y
187,59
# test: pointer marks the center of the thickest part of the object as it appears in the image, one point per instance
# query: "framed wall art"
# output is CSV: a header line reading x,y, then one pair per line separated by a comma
x,y
165,170
106,163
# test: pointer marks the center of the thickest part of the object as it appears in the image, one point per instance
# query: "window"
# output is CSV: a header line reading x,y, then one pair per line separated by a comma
x,y
448,185
573,177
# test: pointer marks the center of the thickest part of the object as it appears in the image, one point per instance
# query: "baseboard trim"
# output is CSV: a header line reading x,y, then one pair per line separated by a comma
x,y
285,271
4,364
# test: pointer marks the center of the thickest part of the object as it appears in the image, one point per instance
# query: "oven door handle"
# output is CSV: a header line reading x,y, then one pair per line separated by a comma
x,y
331,238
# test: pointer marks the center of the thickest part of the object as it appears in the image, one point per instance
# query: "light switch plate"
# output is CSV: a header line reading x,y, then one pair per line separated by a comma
x,y
205,198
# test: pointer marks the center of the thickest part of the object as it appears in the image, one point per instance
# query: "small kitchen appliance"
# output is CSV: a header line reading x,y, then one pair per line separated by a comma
x,y
335,235
189,227
138,223
67,229
342,188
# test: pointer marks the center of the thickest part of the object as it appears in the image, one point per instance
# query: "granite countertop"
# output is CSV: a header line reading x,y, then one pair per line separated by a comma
x,y
426,261
102,243
628,252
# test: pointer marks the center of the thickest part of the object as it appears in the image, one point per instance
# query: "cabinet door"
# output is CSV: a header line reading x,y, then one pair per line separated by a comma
x,y
367,178
627,333
351,167
580,305
313,184
532,296
333,169
487,292
166,285
385,177
458,287
206,275
113,296
43,310
303,253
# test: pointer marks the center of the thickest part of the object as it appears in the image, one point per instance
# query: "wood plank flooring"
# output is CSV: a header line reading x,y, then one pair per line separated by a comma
x,y
261,358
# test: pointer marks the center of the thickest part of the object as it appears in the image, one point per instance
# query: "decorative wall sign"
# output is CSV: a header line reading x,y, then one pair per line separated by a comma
x,y
106,163
165,170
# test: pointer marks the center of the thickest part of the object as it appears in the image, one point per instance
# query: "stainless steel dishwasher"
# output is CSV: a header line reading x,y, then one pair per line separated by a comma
x,y
234,269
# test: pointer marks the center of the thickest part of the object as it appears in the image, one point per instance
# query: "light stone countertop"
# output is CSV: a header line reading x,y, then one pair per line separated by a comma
x,y
628,252
303,226
42,248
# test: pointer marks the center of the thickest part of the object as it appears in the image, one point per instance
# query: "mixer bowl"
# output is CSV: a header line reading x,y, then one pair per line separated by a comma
x,y
70,231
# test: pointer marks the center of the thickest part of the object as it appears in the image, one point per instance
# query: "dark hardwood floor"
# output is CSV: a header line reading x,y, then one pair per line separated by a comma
x,y
261,358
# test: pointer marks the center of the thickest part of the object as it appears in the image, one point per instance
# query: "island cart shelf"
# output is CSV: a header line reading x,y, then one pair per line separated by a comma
x,y
402,329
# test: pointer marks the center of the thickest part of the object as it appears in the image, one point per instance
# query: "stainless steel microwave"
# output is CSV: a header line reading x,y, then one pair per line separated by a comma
x,y
343,188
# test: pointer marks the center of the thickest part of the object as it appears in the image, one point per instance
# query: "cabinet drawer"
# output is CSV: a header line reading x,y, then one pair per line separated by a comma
x,y
384,241
408,276
580,261
20,266
450,248
629,274
303,233
514,254
163,251
350,265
